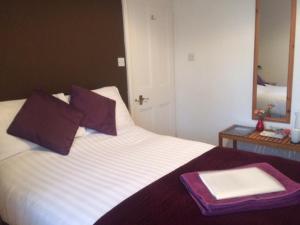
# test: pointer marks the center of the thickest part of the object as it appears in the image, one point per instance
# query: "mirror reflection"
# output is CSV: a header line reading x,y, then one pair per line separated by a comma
x,y
273,56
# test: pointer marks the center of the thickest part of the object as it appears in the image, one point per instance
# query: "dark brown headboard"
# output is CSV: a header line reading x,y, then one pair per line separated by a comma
x,y
52,44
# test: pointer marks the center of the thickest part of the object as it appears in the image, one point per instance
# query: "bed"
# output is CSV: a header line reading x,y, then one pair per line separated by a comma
x,y
128,179
132,178
100,172
271,94
41,187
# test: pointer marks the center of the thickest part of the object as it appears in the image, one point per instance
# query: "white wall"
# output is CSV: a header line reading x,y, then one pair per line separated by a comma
x,y
215,90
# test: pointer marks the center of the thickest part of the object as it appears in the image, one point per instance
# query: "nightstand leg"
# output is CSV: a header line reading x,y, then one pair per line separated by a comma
x,y
234,143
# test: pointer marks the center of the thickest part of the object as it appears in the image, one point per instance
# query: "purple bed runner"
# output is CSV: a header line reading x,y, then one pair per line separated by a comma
x,y
210,206
166,201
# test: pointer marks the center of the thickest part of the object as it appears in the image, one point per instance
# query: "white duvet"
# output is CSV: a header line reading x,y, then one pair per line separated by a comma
x,y
44,188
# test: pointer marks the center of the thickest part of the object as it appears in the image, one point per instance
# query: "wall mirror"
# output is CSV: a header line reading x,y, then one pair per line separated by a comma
x,y
274,58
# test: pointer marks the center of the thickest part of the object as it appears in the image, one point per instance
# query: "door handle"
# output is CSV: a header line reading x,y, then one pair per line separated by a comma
x,y
141,100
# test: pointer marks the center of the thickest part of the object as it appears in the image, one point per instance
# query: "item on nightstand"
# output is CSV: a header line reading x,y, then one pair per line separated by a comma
x,y
261,114
240,130
283,131
260,125
297,120
273,134
295,133
295,136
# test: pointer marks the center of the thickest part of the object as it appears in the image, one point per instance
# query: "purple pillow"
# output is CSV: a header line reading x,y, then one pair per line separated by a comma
x,y
47,121
99,111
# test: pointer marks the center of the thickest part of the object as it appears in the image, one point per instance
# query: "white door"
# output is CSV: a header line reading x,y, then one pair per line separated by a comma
x,y
149,53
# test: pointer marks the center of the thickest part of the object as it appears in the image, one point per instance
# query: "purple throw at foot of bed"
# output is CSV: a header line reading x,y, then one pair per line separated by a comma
x,y
166,201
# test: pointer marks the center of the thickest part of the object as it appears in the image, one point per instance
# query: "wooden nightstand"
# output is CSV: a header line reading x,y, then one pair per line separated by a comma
x,y
239,133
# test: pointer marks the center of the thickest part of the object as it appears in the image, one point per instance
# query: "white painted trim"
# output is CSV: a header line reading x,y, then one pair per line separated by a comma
x,y
127,55
129,67
172,66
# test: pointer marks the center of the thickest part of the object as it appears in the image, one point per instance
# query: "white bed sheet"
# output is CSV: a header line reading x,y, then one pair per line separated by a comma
x,y
44,188
275,95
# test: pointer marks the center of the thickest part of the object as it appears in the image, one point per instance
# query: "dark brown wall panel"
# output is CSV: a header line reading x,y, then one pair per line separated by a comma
x,y
52,44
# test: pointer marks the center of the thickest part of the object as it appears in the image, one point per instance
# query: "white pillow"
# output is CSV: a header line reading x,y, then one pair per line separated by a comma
x,y
123,118
81,130
10,145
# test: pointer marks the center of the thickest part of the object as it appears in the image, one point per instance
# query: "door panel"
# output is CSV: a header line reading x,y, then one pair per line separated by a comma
x,y
149,47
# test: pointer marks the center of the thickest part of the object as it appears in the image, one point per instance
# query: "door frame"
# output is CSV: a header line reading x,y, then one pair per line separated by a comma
x,y
128,59
129,67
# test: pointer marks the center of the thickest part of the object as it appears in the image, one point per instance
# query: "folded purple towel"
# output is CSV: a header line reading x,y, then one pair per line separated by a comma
x,y
210,206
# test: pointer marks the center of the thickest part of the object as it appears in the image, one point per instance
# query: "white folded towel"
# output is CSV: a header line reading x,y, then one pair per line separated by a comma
x,y
241,182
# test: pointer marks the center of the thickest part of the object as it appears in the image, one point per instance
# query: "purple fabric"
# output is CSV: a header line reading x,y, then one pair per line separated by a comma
x,y
99,111
166,201
47,121
210,206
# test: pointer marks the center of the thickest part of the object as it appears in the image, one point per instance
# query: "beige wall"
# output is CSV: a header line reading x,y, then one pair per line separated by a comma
x,y
215,90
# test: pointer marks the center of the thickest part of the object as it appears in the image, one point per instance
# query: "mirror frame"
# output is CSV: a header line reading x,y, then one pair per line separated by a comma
x,y
287,118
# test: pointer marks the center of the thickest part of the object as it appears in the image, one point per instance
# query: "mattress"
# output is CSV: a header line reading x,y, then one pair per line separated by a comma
x,y
43,188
